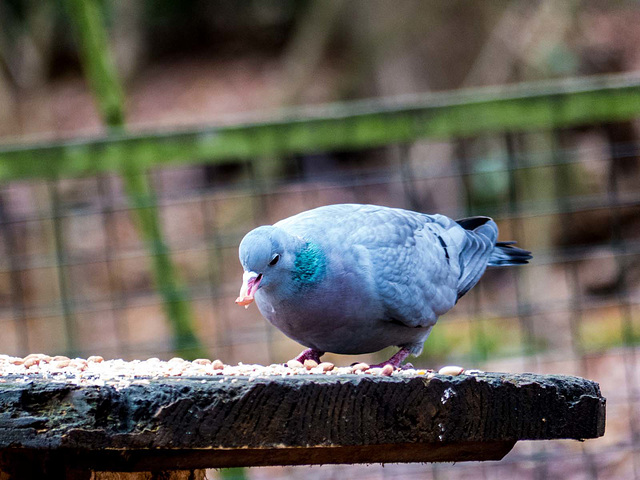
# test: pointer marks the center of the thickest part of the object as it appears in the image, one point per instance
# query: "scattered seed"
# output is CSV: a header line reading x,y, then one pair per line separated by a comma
x,y
360,367
309,364
326,366
387,370
452,370
30,362
217,364
78,363
36,356
202,361
32,355
97,371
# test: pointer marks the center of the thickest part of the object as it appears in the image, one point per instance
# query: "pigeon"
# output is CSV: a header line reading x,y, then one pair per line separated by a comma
x,y
354,279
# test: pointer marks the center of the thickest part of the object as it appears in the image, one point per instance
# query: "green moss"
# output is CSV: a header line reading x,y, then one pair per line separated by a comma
x,y
348,126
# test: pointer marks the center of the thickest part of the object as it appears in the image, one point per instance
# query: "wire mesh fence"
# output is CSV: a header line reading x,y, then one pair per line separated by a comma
x,y
75,274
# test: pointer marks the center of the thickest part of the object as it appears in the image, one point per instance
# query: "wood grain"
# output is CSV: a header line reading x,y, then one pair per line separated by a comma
x,y
194,423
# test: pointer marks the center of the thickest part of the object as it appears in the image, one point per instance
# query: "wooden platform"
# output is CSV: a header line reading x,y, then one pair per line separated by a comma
x,y
51,427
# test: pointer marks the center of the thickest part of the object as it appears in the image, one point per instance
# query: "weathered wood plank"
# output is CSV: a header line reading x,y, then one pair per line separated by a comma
x,y
191,423
347,126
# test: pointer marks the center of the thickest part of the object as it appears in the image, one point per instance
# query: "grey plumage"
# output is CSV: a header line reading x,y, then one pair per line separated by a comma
x,y
357,278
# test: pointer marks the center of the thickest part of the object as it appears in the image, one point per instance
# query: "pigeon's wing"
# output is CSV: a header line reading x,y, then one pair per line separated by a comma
x,y
409,265
478,242
418,264
415,266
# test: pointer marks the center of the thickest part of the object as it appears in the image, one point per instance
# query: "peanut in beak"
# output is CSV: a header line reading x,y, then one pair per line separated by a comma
x,y
244,301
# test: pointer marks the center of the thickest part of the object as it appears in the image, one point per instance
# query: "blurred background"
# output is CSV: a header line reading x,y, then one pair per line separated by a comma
x,y
141,139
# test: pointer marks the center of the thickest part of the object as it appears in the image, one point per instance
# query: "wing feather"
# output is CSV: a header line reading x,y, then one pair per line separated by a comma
x,y
418,262
475,250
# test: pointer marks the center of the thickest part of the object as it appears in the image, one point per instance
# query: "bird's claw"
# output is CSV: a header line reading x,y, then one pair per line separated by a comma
x,y
396,360
406,366
309,354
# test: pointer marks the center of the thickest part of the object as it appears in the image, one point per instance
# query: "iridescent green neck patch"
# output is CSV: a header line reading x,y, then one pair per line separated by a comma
x,y
310,265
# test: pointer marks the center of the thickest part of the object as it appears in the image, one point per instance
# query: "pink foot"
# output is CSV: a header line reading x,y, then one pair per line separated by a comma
x,y
396,360
310,354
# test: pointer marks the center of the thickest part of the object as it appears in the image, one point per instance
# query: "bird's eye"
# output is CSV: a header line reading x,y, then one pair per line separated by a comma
x,y
274,260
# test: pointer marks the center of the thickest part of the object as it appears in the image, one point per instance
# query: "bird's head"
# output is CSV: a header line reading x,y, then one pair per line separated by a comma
x,y
266,255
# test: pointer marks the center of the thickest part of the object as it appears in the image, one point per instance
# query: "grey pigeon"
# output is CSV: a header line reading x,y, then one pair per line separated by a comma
x,y
354,279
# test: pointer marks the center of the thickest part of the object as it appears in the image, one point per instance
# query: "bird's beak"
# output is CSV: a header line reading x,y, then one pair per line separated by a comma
x,y
250,283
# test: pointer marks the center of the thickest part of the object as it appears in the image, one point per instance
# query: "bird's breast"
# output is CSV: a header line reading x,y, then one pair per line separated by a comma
x,y
325,316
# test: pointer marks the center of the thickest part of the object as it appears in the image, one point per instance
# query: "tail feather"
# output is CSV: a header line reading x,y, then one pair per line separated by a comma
x,y
482,225
480,241
504,253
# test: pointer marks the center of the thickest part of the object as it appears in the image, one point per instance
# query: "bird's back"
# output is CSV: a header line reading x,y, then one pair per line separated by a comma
x,y
400,254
